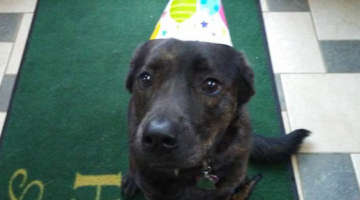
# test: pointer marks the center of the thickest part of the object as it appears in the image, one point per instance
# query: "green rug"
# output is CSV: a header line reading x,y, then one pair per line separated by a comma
x,y
66,136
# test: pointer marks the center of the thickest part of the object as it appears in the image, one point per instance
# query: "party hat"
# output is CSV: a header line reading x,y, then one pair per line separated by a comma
x,y
196,20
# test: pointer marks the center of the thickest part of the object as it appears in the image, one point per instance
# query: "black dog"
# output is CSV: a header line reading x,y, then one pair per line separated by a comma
x,y
187,121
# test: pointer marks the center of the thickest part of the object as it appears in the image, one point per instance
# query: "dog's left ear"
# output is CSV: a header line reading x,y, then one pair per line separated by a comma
x,y
138,60
246,79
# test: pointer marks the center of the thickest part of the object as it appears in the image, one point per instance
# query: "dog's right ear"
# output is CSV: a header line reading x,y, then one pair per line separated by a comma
x,y
246,83
138,60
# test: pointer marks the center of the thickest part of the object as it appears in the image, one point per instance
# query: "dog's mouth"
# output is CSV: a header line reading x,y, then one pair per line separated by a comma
x,y
181,160
172,166
176,171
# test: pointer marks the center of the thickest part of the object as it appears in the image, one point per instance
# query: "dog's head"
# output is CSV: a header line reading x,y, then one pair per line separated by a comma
x,y
185,96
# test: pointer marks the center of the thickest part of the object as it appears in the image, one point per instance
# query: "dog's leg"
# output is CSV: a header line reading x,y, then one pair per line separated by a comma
x,y
194,193
244,191
128,187
128,184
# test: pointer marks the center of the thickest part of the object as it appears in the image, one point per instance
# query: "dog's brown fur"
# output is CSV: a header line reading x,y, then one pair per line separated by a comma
x,y
171,80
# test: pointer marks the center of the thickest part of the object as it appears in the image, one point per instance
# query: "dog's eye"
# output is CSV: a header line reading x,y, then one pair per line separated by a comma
x,y
211,86
146,79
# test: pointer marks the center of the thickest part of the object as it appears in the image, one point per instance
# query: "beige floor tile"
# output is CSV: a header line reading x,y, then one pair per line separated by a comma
x,y
5,50
18,50
356,162
336,19
292,42
328,105
11,6
2,121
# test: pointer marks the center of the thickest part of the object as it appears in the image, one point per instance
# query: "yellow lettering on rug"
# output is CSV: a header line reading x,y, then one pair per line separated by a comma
x,y
24,186
97,181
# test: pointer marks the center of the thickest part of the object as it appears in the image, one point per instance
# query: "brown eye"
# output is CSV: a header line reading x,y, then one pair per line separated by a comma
x,y
211,86
145,79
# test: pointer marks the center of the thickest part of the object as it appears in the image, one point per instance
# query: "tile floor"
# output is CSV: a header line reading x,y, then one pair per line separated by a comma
x,y
315,51
15,21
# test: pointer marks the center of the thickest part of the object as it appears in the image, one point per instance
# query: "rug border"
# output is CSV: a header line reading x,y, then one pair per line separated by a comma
x,y
275,92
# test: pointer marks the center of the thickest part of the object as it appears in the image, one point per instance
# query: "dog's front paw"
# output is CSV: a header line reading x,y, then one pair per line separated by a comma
x,y
128,187
244,191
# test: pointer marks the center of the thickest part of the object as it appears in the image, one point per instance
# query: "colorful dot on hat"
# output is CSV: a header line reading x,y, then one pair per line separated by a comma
x,y
181,10
213,6
223,31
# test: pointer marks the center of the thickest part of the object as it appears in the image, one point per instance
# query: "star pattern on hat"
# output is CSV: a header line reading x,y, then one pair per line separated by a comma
x,y
204,24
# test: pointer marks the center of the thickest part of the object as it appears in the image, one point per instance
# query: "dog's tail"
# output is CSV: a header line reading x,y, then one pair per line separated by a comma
x,y
277,149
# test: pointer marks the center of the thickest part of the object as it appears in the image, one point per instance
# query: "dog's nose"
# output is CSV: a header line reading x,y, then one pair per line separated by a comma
x,y
159,135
